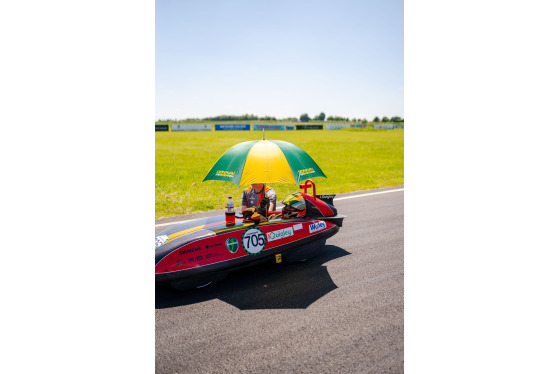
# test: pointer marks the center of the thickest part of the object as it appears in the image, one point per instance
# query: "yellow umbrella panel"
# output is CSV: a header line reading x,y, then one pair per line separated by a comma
x,y
264,161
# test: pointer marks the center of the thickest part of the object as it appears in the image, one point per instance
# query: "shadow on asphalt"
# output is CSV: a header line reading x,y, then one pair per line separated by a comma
x,y
265,286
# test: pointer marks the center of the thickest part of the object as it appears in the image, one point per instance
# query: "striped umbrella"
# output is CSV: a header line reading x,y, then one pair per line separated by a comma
x,y
264,161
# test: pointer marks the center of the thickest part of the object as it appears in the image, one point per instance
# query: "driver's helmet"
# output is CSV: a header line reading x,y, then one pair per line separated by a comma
x,y
294,206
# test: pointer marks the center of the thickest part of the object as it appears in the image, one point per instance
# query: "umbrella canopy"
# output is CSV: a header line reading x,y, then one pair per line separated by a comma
x,y
264,161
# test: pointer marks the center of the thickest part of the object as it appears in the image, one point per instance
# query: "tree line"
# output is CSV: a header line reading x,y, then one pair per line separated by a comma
x,y
245,117
321,117
303,118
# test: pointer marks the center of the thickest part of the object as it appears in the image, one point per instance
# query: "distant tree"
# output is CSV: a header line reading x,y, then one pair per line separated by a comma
x,y
396,119
320,117
304,118
376,119
364,121
338,119
385,119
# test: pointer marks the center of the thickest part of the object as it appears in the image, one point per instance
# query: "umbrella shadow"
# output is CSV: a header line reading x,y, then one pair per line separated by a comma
x,y
265,286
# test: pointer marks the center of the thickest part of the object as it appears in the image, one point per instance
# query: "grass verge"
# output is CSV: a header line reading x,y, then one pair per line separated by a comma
x,y
352,159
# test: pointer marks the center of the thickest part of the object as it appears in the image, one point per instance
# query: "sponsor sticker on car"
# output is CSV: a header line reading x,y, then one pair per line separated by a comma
x,y
317,226
299,226
279,234
160,240
232,245
189,250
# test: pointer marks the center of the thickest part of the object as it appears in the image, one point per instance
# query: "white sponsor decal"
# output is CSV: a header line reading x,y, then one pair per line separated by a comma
x,y
279,234
318,226
299,226
160,240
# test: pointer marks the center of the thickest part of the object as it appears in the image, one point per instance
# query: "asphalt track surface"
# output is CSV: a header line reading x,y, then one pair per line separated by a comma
x,y
339,312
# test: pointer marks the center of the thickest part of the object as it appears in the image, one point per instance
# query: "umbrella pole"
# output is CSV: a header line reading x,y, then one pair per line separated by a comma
x,y
263,134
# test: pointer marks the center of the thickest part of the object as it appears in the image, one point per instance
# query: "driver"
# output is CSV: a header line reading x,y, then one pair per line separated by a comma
x,y
294,206
259,198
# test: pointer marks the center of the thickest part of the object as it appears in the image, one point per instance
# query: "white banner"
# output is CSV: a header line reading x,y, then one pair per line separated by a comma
x,y
385,126
193,127
337,126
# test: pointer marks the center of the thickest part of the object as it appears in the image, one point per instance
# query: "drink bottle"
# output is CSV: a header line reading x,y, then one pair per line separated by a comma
x,y
230,213
229,204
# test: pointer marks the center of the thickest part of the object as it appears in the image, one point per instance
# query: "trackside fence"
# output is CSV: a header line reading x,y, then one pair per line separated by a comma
x,y
273,127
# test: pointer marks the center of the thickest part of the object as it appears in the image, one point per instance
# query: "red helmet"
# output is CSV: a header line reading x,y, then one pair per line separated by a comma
x,y
294,206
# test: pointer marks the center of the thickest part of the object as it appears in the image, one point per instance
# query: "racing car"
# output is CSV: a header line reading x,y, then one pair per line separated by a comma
x,y
196,253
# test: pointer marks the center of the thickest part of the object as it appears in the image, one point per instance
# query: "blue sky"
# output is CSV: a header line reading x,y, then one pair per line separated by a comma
x,y
281,59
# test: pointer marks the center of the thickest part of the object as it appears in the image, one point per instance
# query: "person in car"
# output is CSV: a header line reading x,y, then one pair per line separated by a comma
x,y
258,198
294,206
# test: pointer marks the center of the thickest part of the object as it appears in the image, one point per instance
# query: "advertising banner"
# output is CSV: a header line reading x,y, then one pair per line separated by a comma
x,y
399,126
192,127
336,126
228,127
309,127
385,126
162,127
290,127
358,126
268,127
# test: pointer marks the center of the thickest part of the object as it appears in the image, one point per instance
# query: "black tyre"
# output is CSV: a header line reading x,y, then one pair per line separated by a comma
x,y
197,282
305,252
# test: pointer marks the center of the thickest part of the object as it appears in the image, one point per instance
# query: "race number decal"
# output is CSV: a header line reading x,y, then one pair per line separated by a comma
x,y
253,241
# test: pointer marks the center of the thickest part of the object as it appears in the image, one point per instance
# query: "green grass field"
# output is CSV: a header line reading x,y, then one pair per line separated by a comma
x,y
352,159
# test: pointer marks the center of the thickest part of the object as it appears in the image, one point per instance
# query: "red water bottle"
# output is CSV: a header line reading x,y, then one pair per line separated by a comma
x,y
230,213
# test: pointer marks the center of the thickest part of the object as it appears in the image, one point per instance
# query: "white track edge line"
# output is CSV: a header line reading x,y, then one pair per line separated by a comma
x,y
368,194
336,199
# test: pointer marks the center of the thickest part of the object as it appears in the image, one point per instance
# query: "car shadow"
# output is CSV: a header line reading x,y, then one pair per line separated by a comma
x,y
264,286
